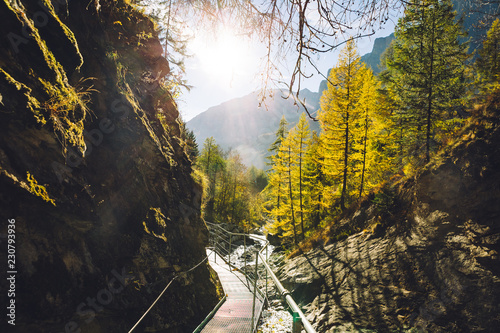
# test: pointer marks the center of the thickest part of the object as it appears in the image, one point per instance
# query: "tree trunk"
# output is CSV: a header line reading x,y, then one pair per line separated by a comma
x,y
430,96
300,189
364,156
346,157
291,195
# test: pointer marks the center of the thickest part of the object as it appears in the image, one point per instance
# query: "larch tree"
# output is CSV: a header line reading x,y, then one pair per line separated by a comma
x,y
283,180
286,156
366,106
339,119
300,136
275,186
426,70
314,179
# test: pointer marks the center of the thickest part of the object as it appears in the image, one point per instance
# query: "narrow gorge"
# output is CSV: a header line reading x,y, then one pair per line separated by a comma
x,y
379,194
94,174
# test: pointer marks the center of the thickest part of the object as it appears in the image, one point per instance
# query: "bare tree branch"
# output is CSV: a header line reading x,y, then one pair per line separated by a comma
x,y
291,29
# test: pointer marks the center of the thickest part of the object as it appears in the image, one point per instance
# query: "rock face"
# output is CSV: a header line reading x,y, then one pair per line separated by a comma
x,y
372,59
430,263
94,173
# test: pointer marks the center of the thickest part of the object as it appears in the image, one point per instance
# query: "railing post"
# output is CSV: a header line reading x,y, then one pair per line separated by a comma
x,y
215,251
255,289
229,253
297,323
267,258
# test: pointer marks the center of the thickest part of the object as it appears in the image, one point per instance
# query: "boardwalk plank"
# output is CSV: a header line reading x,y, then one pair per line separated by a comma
x,y
235,315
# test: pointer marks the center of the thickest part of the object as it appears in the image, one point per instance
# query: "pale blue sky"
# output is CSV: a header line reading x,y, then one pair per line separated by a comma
x,y
230,66
217,78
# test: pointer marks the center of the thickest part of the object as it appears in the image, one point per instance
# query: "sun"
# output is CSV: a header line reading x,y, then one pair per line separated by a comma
x,y
224,55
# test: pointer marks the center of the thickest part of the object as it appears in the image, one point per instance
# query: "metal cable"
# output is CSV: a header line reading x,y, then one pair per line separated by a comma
x,y
161,294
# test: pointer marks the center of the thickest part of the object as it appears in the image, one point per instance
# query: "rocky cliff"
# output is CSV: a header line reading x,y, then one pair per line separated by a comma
x,y
93,174
372,59
427,258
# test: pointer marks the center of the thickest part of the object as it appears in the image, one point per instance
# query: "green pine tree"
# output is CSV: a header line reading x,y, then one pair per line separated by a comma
x,y
426,71
488,63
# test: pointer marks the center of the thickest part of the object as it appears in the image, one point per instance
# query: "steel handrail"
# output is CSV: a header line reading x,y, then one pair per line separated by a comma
x,y
284,292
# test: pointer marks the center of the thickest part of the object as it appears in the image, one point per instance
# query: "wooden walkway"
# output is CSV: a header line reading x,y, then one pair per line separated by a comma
x,y
235,315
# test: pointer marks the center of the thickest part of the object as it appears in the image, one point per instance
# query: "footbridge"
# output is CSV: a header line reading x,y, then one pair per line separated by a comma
x,y
246,283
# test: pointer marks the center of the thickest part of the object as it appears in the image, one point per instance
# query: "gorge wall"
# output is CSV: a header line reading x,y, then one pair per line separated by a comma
x,y
425,252
93,173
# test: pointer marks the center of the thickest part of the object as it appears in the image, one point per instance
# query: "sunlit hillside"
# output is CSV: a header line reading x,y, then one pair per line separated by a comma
x,y
249,127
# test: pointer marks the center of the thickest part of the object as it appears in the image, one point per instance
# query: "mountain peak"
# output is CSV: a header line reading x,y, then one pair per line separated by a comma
x,y
244,125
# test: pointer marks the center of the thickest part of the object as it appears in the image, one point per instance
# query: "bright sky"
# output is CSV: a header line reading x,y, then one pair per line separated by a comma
x,y
226,66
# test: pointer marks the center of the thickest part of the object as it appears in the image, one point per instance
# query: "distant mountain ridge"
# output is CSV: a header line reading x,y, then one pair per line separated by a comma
x,y
243,125
371,59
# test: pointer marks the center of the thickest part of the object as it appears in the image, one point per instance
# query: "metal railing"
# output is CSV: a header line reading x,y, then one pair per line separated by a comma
x,y
223,242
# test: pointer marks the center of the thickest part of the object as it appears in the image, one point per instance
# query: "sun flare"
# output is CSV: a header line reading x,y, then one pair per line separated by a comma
x,y
225,55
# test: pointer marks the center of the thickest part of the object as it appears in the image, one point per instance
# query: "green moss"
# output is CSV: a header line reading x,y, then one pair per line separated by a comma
x,y
38,190
143,36
155,216
66,105
17,12
67,32
32,103
166,150
159,217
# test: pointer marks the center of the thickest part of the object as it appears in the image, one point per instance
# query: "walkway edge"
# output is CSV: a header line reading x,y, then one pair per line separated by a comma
x,y
210,315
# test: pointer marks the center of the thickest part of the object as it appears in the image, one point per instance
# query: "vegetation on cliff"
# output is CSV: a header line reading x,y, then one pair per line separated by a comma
x,y
94,170
421,253
375,130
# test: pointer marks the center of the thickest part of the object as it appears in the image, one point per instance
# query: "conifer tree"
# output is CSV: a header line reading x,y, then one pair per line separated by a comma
x,y
314,181
366,107
426,70
301,139
276,186
339,118
212,162
285,154
191,146
488,63
238,207
387,140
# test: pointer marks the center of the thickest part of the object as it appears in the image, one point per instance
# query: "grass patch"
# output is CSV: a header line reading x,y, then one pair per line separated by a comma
x,y
67,110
